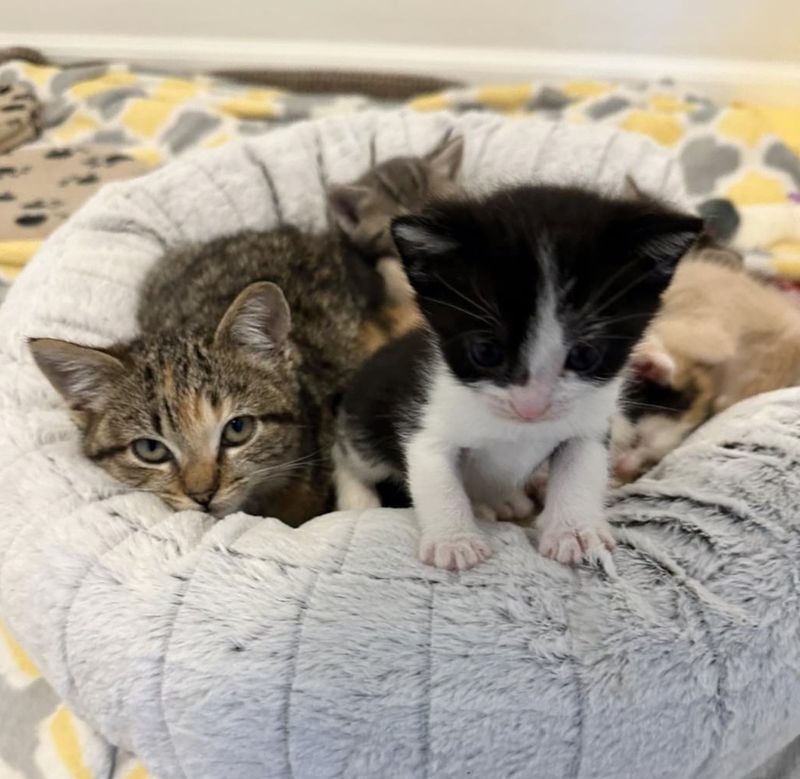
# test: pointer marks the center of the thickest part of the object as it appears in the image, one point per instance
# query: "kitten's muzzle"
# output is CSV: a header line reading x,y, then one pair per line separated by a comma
x,y
204,498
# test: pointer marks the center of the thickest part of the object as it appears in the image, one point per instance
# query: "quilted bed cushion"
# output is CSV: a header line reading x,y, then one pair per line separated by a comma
x,y
244,648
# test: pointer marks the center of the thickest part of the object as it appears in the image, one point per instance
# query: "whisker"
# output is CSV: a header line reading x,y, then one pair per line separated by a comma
x,y
472,314
635,404
480,309
465,334
608,282
613,299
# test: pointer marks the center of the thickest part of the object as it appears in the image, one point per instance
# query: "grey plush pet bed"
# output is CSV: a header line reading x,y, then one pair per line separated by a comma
x,y
246,649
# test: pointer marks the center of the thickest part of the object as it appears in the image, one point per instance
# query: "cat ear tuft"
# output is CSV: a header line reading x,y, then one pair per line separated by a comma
x,y
446,158
258,320
631,190
345,202
420,243
415,235
663,239
80,374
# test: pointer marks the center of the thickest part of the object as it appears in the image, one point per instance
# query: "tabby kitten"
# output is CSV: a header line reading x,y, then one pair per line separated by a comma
x,y
533,298
362,212
225,400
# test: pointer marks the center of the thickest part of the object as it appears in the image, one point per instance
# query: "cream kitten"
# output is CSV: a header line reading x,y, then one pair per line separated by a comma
x,y
721,336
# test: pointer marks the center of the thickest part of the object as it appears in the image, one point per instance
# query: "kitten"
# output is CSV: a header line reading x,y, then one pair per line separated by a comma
x,y
362,211
533,298
225,401
720,337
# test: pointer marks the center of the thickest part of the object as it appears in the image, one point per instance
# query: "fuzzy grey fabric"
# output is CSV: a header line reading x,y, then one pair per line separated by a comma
x,y
244,648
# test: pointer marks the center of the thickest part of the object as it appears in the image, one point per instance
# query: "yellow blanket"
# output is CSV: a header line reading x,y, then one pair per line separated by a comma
x,y
746,152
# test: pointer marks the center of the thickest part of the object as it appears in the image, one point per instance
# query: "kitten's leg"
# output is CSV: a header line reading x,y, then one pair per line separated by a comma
x,y
450,536
355,490
572,525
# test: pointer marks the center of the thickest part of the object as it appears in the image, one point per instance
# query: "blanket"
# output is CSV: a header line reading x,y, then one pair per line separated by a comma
x,y
745,152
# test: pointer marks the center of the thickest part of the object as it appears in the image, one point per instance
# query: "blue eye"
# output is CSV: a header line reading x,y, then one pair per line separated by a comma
x,y
582,358
150,451
239,430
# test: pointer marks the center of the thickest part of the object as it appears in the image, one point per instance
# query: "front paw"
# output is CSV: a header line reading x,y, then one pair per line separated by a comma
x,y
570,544
457,552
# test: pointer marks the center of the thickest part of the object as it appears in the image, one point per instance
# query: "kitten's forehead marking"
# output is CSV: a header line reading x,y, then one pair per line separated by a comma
x,y
544,343
201,423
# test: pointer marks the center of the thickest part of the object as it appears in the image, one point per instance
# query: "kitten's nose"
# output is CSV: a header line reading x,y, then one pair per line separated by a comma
x,y
528,402
203,498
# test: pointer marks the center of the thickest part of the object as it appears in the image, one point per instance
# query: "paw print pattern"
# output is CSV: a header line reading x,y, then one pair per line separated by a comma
x,y
20,116
41,187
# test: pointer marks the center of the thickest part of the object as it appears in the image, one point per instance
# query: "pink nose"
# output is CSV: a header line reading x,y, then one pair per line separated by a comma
x,y
529,405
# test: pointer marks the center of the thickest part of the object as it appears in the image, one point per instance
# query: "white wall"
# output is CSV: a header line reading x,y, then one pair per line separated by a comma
x,y
737,29
755,42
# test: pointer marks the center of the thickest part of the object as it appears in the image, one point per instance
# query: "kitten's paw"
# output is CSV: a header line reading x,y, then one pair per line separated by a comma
x,y
570,545
355,496
455,553
514,506
517,505
484,513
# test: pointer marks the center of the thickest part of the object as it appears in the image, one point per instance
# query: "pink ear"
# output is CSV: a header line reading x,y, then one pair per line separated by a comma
x,y
650,361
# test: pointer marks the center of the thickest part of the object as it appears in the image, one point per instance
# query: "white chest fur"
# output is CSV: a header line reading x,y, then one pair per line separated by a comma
x,y
497,454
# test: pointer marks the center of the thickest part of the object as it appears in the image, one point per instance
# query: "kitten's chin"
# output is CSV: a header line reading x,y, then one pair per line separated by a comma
x,y
229,505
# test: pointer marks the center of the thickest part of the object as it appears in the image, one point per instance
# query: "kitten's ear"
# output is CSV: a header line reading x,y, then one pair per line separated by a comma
x,y
662,239
630,189
81,375
421,242
446,158
345,202
258,320
651,360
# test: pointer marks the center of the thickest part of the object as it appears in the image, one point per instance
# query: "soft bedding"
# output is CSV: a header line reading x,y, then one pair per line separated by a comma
x,y
745,152
245,648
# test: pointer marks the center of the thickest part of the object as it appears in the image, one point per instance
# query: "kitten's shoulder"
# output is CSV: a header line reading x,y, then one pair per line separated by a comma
x,y
393,378
383,401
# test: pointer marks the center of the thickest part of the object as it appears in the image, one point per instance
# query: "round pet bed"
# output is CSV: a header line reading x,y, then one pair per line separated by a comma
x,y
243,648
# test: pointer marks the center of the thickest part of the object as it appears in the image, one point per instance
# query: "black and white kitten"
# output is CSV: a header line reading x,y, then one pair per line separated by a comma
x,y
533,298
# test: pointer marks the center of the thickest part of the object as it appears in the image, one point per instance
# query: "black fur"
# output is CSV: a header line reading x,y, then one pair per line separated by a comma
x,y
384,396
642,397
479,268
494,253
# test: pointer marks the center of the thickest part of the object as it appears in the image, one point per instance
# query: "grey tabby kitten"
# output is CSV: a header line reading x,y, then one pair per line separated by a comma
x,y
226,399
363,211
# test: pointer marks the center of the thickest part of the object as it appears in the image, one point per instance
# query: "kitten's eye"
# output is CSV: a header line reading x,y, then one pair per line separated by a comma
x,y
582,358
150,451
238,431
486,353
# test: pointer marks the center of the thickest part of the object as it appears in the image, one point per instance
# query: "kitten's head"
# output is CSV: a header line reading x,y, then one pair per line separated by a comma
x,y
363,210
666,397
537,294
200,420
